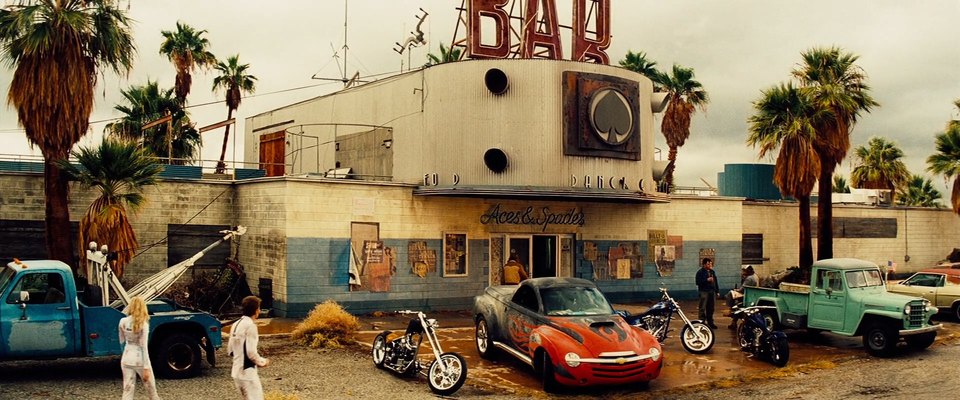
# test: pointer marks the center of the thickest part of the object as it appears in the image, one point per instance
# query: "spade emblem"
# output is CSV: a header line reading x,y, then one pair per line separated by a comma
x,y
611,116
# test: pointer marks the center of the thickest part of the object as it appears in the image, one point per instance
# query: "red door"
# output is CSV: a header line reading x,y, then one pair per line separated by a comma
x,y
272,150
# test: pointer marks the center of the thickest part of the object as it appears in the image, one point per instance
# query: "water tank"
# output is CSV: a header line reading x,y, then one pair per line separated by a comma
x,y
753,181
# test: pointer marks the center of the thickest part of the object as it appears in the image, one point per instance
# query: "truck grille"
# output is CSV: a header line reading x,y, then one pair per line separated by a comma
x,y
917,311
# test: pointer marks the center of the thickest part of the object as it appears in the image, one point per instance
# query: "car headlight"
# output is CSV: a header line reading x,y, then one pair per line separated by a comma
x,y
572,359
655,353
906,310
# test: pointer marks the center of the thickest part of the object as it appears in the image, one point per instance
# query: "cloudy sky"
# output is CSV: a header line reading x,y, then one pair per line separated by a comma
x,y
909,51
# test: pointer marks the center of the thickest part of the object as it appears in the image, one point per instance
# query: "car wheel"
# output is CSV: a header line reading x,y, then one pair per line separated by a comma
x,y
880,340
550,384
484,341
956,311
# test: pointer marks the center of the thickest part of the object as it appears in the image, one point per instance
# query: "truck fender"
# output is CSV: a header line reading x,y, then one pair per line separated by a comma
x,y
871,316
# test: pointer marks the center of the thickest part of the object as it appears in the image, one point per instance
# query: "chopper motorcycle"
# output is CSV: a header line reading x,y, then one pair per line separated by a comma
x,y
445,374
695,336
758,338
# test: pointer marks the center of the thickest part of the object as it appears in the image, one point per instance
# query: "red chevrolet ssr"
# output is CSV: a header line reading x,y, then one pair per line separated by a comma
x,y
567,331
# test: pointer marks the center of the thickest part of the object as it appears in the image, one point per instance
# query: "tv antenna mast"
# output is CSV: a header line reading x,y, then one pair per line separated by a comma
x,y
343,70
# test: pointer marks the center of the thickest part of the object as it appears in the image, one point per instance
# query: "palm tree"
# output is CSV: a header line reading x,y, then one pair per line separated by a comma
x,y
186,48
946,161
840,184
686,94
446,55
784,118
147,103
879,166
919,192
234,81
119,171
838,85
637,62
58,48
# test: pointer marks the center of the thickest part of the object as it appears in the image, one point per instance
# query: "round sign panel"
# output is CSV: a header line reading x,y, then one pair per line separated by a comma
x,y
611,116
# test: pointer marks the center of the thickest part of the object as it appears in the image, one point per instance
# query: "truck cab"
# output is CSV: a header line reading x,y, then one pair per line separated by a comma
x,y
39,314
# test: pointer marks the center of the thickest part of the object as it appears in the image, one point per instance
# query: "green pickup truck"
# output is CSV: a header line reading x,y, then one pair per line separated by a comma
x,y
848,297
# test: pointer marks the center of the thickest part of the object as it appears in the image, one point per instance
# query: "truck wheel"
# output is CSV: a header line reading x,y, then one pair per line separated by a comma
x,y
921,341
770,319
178,357
880,340
484,342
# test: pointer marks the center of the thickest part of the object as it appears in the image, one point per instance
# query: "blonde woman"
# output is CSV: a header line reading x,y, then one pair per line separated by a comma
x,y
135,360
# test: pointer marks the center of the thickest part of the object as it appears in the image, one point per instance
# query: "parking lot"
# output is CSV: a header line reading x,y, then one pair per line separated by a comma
x,y
725,361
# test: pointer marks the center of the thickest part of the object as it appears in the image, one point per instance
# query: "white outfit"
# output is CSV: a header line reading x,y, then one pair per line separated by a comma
x,y
244,339
135,359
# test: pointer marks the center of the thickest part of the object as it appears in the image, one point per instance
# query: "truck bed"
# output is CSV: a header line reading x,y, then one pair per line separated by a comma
x,y
793,300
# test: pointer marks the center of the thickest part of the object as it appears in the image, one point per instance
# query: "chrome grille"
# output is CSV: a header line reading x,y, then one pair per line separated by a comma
x,y
917,311
618,371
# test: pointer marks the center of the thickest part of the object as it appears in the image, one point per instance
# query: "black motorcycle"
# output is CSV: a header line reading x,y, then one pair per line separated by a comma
x,y
696,336
758,338
445,375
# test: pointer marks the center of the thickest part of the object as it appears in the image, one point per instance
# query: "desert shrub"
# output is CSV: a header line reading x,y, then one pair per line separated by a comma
x,y
278,395
327,326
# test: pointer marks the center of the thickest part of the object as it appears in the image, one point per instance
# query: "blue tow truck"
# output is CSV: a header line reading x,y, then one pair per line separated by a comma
x,y
43,316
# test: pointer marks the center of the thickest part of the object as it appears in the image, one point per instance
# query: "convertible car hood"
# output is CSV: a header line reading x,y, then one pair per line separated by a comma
x,y
603,333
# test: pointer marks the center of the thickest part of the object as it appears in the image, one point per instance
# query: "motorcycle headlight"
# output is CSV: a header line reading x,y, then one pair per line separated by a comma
x,y
655,353
572,359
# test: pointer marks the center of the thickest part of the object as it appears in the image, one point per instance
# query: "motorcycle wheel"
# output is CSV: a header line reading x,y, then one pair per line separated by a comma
x,y
447,374
742,339
697,337
778,351
379,351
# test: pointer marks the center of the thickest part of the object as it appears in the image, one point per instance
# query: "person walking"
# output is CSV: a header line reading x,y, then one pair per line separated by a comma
x,y
135,361
244,339
709,291
513,271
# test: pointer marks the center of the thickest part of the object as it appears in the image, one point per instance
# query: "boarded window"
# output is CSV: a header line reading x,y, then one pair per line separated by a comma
x,y
860,228
751,248
26,240
186,240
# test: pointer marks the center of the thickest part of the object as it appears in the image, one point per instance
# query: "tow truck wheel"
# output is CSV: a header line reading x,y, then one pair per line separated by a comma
x,y
177,357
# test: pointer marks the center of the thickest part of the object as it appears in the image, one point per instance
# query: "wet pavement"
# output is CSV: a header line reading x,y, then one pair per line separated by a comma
x,y
723,365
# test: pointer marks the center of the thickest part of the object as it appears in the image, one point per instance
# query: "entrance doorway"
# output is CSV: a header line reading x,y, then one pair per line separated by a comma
x,y
539,254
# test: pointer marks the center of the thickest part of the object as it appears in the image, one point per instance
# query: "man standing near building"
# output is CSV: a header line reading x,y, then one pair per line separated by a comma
x,y
709,291
244,339
513,271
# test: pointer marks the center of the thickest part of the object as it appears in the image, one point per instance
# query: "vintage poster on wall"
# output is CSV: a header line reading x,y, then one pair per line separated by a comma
x,y
665,260
707,253
454,254
377,266
423,260
655,237
589,251
677,242
623,268
624,261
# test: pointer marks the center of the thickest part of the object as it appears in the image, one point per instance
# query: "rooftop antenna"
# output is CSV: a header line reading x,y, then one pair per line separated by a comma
x,y
347,82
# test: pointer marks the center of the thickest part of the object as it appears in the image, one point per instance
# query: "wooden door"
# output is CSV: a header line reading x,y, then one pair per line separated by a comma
x,y
272,153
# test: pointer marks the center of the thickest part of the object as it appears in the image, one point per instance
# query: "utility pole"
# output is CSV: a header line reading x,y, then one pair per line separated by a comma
x,y
169,139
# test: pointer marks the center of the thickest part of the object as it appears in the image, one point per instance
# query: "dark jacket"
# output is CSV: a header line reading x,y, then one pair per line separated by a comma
x,y
703,285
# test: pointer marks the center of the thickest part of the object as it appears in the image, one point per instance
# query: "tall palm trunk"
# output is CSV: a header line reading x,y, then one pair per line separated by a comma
x,y
806,247
56,186
672,160
221,166
825,210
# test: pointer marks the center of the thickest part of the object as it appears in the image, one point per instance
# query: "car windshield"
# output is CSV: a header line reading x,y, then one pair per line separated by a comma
x,y
5,276
574,301
864,278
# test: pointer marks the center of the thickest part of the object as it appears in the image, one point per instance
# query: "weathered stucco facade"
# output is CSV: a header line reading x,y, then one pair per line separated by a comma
x,y
299,236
